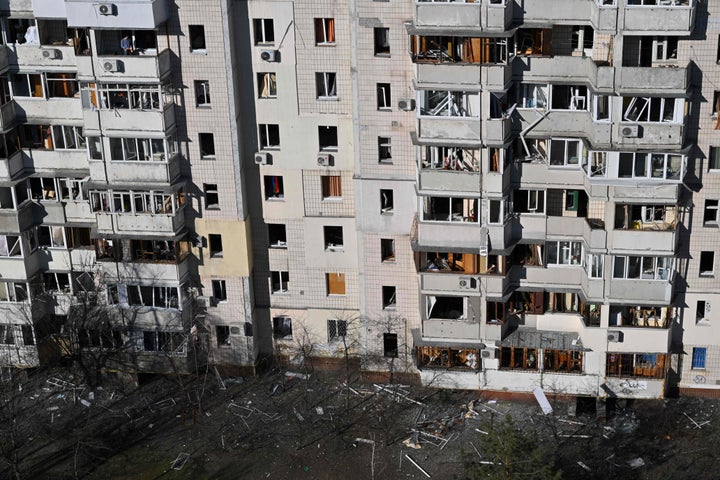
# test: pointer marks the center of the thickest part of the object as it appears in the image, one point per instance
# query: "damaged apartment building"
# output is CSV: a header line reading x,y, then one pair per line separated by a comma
x,y
495,194
122,213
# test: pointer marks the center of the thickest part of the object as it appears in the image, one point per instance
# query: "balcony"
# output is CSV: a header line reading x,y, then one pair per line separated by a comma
x,y
460,283
157,271
542,278
494,286
640,291
671,17
441,235
7,116
537,173
447,74
480,14
17,221
662,193
650,241
449,181
497,183
124,68
671,80
563,68
78,212
41,160
46,57
129,173
139,14
632,387
20,268
449,128
49,9
40,111
129,122
52,212
657,136
12,166
563,123
496,131
149,226
593,235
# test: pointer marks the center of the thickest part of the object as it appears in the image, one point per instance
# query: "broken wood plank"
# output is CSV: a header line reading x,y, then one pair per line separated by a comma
x,y
418,466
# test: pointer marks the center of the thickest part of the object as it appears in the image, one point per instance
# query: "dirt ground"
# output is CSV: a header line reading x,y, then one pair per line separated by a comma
x,y
288,427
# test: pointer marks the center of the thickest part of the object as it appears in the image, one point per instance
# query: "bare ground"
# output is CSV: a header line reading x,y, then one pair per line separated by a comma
x,y
283,427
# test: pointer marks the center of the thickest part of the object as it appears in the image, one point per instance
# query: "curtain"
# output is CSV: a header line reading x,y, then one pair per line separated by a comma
x,y
331,30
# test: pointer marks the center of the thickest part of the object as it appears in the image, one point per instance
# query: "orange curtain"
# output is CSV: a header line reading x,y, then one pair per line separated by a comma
x,y
331,30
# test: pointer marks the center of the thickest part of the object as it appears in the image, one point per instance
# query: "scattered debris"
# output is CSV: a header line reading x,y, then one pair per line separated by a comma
x,y
418,466
583,466
636,463
542,401
697,425
303,376
180,461
85,403
398,391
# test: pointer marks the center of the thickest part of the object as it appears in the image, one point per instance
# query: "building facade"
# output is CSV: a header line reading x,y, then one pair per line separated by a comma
x,y
486,195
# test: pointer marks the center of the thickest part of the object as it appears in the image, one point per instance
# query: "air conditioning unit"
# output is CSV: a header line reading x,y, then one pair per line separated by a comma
x,y
203,302
615,336
489,353
630,131
111,65
105,8
467,283
407,104
269,55
324,159
50,53
262,158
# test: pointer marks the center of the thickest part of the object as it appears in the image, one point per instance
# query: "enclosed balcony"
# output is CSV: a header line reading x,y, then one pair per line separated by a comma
x,y
108,67
645,228
580,11
651,122
482,14
157,260
155,213
136,160
449,116
11,157
46,44
15,220
635,375
650,64
453,272
449,169
145,14
660,17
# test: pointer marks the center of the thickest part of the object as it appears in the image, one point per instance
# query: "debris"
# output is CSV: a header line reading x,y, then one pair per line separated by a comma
x,y
398,392
575,436
372,457
492,402
583,466
570,421
636,463
697,425
91,396
475,448
481,431
219,379
180,461
84,403
418,466
408,442
297,414
542,400
304,376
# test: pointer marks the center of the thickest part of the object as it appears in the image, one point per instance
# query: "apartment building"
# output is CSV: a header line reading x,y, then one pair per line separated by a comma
x,y
527,178
123,215
487,195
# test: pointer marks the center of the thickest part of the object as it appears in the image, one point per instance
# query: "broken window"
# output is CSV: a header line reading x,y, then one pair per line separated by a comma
x,y
277,235
643,365
219,290
653,109
389,298
267,85
7,334
387,203
569,97
529,201
452,262
596,164
710,214
562,302
269,136
274,189
202,93
381,45
387,250
328,138
56,282
61,85
595,265
439,49
212,197
447,357
282,328
518,358
333,238
497,159
707,263
658,166
714,158
222,333
384,150
533,41
197,38
27,85
335,283
601,108
528,255
640,217
326,85
445,307
562,361
51,237
583,37
640,316
337,329
324,31
207,145
496,210
439,103
450,158
10,246
384,100
390,345
149,296
167,342
450,209
528,302
495,312
591,314
13,291
702,311
532,96
215,245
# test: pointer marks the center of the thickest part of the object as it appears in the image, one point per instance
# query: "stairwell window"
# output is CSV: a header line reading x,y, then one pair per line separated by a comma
x,y
389,297
267,85
381,38
326,85
387,250
707,264
710,214
328,138
325,31
219,290
207,146
384,100
202,93
277,235
714,159
197,38
384,149
333,238
216,245
702,312
212,198
269,136
387,204
264,31
274,189
331,187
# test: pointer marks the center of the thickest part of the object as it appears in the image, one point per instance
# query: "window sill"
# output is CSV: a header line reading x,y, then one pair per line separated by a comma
x,y
326,44
270,148
334,249
384,109
711,225
386,161
204,106
217,255
280,292
212,207
199,51
382,55
388,260
328,149
389,212
390,308
706,275
208,157
328,99
332,199
703,322
274,199
269,97
336,295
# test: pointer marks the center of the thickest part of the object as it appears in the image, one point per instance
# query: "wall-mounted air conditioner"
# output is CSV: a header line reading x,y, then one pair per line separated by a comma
x,y
324,160
105,8
50,53
488,353
467,283
615,336
111,65
263,158
407,104
630,131
269,55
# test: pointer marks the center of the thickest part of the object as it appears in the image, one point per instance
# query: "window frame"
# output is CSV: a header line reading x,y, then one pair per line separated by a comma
x,y
325,29
262,35
267,85
269,136
219,289
281,278
210,191
202,94
326,86
203,139
699,358
384,96
196,32
708,254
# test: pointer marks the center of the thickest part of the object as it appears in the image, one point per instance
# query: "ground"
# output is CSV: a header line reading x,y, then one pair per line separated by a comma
x,y
289,427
